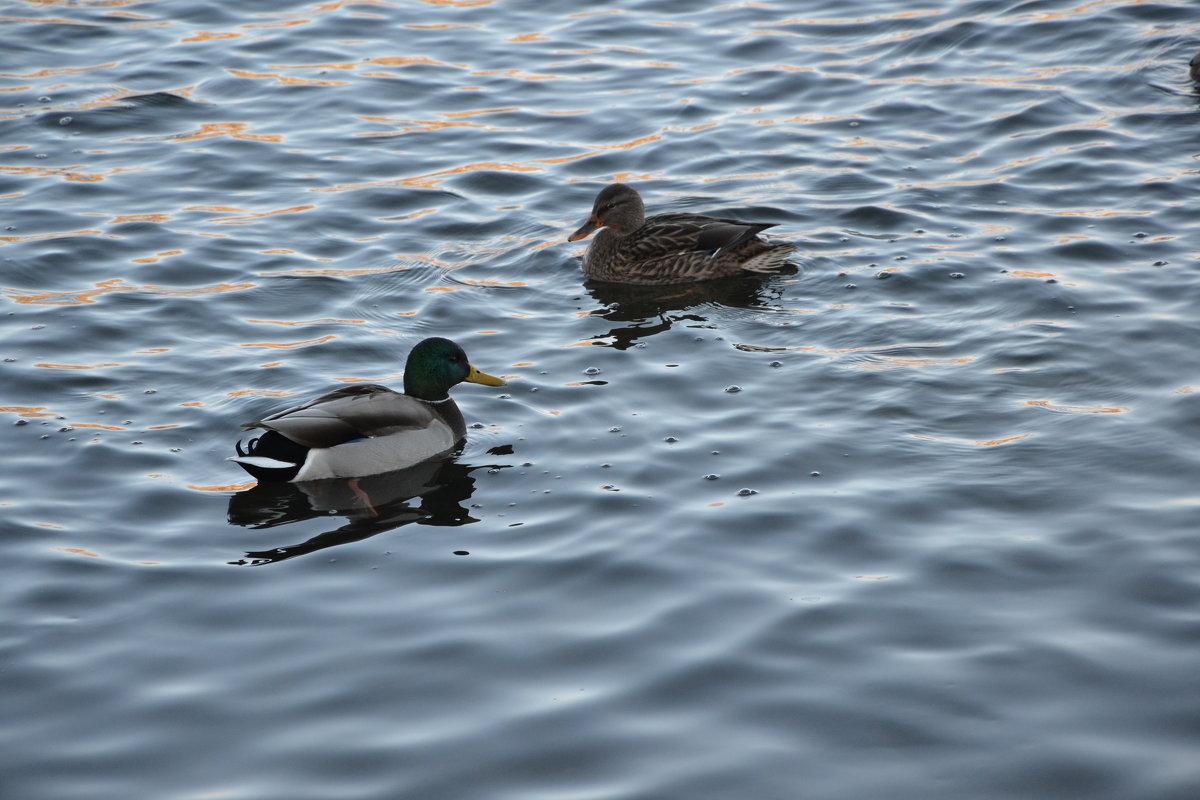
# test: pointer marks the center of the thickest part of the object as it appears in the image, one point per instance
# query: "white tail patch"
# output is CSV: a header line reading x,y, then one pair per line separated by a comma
x,y
262,461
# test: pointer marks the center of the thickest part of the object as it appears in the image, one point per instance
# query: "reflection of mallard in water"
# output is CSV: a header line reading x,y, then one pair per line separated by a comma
x,y
671,248
654,309
366,429
433,492
1194,68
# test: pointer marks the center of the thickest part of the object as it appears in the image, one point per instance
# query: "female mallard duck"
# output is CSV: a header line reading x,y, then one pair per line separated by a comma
x,y
670,248
366,428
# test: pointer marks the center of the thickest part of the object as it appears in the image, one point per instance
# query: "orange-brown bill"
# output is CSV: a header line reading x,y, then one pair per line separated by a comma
x,y
585,229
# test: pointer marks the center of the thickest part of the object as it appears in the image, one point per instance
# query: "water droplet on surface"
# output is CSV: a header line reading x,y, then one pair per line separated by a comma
x,y
712,477
494,471
1160,263
41,155
776,364
65,429
150,391
746,492
1139,235
670,440
854,124
65,121
21,422
815,474
44,99
592,371
461,553
883,276
851,285
615,429
477,425
732,389
957,275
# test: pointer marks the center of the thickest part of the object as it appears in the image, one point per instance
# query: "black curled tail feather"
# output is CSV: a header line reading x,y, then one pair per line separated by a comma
x,y
275,446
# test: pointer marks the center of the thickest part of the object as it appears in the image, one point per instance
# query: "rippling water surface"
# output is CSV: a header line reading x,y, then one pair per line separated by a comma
x,y
916,521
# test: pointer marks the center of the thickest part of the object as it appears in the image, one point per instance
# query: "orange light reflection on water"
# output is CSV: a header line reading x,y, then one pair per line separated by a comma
x,y
232,487
306,321
430,180
210,36
284,80
234,130
76,366
259,393
291,345
116,285
27,412
1068,409
250,218
975,443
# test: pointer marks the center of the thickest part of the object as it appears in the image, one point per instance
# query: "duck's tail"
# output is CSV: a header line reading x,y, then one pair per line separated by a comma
x,y
773,256
271,457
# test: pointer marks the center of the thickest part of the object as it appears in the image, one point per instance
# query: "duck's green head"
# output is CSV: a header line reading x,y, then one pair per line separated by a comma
x,y
435,365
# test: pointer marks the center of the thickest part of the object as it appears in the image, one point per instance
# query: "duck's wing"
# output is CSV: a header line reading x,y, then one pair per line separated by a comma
x,y
666,234
350,412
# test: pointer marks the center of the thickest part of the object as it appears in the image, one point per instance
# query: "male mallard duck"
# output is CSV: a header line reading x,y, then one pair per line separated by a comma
x,y
670,248
366,428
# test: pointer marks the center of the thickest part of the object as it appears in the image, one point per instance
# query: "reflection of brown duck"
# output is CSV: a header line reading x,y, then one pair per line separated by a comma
x,y
648,310
366,429
671,248
1194,68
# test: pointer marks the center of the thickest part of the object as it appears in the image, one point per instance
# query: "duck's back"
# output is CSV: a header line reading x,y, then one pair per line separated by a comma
x,y
349,413
681,248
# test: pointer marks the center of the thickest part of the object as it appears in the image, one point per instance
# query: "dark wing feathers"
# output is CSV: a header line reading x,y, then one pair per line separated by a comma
x,y
665,234
347,413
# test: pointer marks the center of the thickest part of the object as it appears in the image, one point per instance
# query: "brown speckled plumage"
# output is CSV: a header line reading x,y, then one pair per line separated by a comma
x,y
671,248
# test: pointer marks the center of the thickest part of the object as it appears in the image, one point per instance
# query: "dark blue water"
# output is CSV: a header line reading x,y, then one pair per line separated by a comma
x,y
917,521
